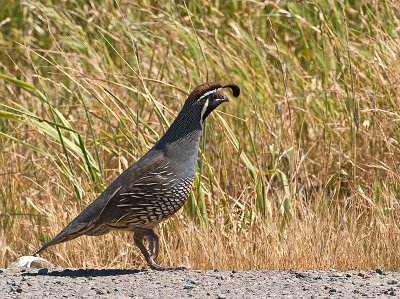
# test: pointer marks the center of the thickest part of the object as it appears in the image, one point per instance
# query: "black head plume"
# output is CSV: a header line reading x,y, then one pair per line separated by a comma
x,y
235,89
206,88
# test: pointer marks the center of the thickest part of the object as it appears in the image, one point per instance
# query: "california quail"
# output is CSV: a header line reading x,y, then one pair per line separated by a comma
x,y
157,185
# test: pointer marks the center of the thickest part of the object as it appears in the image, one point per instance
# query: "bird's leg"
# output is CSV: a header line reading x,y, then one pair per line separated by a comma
x,y
153,240
154,243
150,242
157,242
139,235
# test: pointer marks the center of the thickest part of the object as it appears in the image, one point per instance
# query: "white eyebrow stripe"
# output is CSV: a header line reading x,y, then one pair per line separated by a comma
x,y
209,92
203,111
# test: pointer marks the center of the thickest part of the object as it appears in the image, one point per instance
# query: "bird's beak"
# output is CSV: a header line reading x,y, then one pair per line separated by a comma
x,y
223,98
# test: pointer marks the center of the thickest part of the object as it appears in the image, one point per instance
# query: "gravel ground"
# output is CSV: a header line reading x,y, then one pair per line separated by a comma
x,y
78,283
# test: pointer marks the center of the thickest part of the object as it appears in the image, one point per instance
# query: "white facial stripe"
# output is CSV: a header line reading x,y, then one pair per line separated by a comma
x,y
203,111
209,92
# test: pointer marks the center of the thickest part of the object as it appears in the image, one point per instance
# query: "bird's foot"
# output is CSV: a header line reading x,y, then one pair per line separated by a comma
x,y
154,266
181,268
157,267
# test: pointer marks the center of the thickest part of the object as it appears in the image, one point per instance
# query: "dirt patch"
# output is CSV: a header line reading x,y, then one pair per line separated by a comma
x,y
78,283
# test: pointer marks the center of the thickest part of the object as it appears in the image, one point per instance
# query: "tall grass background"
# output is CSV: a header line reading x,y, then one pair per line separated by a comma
x,y
301,171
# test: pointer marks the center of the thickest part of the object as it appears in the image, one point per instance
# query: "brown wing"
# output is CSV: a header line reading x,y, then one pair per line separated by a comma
x,y
118,206
142,201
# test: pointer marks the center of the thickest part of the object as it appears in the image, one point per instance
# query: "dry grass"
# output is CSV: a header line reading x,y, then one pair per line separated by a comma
x,y
300,172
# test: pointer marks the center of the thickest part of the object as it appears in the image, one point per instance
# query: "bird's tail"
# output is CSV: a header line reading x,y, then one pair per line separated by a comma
x,y
72,231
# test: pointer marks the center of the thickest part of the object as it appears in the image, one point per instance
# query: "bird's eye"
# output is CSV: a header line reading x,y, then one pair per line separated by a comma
x,y
208,93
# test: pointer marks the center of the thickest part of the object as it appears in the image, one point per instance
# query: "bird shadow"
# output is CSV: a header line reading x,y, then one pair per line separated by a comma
x,y
83,272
